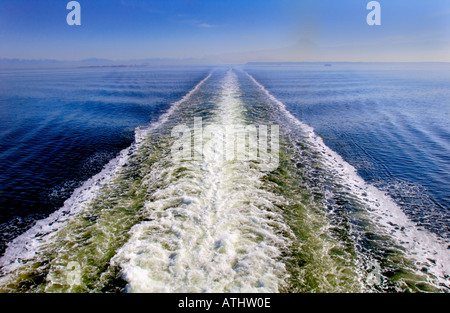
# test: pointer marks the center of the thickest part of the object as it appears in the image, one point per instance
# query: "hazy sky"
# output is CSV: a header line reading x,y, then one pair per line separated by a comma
x,y
227,30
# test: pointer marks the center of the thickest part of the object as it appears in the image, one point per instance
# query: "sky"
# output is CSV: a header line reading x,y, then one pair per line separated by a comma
x,y
232,31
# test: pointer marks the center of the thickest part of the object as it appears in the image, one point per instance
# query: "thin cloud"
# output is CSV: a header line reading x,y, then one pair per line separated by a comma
x,y
206,25
189,19
146,6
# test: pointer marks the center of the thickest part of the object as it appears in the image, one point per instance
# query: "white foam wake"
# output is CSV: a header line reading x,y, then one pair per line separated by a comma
x,y
24,247
425,247
212,230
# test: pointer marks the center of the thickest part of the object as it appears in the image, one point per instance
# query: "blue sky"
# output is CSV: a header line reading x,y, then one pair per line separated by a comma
x,y
227,30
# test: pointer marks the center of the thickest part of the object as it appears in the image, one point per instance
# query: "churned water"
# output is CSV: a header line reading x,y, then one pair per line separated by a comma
x,y
357,199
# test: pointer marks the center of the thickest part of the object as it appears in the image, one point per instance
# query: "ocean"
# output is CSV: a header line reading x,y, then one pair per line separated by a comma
x,y
347,189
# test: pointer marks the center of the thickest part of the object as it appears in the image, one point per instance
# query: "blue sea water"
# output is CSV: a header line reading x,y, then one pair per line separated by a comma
x,y
390,121
58,127
146,222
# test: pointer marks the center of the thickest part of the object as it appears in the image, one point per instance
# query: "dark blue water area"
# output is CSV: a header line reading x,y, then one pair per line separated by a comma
x,y
390,121
59,127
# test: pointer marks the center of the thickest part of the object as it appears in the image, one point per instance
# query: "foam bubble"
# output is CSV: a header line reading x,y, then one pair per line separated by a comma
x,y
210,231
427,249
25,246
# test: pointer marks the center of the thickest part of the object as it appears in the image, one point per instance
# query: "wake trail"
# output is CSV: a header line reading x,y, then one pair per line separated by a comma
x,y
431,254
213,229
26,247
